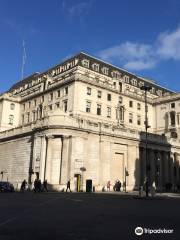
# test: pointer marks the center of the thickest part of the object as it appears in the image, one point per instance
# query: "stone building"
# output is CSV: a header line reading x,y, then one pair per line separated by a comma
x,y
86,113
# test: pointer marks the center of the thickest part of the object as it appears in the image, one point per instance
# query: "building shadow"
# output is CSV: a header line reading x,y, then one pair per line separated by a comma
x,y
160,165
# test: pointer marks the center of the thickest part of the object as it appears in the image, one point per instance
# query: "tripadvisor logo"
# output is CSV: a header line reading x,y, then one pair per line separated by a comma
x,y
139,231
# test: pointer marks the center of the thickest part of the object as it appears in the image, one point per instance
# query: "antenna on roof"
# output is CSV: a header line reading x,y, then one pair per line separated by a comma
x,y
23,59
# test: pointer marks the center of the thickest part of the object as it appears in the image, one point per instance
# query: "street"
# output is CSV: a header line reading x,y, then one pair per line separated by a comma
x,y
85,216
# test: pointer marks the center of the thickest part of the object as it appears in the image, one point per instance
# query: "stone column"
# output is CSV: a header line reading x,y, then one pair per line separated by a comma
x,y
65,167
152,166
165,170
133,180
160,170
177,164
42,158
171,168
143,165
47,170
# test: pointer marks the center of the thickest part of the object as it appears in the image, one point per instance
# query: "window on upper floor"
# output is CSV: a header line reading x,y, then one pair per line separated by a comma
x,y
172,118
95,67
109,97
42,98
65,106
88,91
138,120
11,119
88,106
99,94
134,82
138,106
116,74
24,106
50,96
50,107
29,104
12,106
66,91
130,118
121,113
105,70
126,79
120,86
131,104
108,112
98,109
58,93
85,63
57,105
35,102
172,105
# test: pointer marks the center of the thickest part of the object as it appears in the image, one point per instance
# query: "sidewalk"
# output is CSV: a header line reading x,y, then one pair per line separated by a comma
x,y
136,194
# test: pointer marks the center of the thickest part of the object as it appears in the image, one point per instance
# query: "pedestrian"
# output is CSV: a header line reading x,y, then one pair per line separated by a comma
x,y
45,186
36,185
115,186
119,186
68,186
108,185
39,185
23,186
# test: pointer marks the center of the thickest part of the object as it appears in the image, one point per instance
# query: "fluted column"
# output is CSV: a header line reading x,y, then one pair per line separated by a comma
x,y
143,161
152,165
65,168
171,168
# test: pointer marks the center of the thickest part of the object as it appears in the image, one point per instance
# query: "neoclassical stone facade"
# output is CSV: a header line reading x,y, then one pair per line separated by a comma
x,y
86,113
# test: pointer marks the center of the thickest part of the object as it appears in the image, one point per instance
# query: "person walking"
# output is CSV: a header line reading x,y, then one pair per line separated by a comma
x,y
23,186
68,186
108,185
36,185
45,186
39,185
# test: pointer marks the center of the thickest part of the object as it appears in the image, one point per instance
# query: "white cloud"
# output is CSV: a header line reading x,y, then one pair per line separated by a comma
x,y
139,56
140,65
78,9
169,45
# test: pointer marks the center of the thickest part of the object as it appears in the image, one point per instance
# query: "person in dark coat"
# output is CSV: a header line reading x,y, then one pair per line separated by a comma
x,y
45,186
36,185
23,185
39,185
68,186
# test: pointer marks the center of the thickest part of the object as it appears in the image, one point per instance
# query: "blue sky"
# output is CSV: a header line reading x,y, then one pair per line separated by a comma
x,y
141,36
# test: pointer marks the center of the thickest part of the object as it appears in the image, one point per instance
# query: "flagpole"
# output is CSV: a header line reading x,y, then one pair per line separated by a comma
x,y
23,60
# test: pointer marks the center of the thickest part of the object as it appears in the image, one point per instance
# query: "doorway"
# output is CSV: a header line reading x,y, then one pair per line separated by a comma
x,y
77,182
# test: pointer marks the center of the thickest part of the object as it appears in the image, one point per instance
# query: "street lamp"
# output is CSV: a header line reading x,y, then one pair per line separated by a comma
x,y
146,89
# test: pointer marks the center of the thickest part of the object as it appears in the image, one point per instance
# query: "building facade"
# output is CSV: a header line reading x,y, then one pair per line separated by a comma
x,y
86,114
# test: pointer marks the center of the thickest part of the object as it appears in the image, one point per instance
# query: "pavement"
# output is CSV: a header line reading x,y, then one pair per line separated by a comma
x,y
86,216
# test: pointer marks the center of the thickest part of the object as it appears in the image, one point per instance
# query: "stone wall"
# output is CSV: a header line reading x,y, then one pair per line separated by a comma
x,y
15,156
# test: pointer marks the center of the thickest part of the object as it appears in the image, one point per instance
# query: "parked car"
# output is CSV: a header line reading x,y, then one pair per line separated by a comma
x,y
6,187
